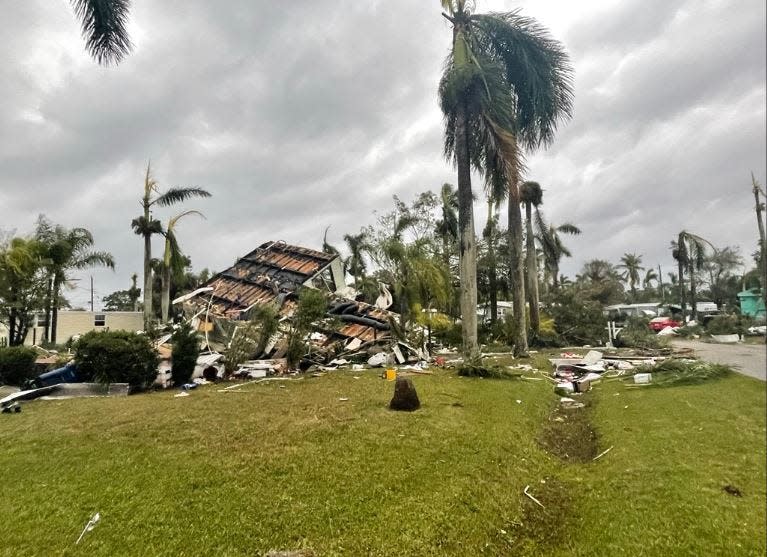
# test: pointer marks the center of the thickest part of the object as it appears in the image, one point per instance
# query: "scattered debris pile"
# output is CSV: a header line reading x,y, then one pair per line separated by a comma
x,y
574,373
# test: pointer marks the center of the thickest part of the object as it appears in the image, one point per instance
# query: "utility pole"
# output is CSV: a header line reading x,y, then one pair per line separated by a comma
x,y
91,293
757,190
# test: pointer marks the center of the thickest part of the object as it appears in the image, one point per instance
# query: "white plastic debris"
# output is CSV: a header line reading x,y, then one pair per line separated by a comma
x,y
90,526
642,378
592,357
378,360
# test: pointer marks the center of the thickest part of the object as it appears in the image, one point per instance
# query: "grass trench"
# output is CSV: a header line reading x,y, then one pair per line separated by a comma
x,y
288,465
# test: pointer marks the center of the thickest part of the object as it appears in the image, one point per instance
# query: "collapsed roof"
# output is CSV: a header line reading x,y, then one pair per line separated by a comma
x,y
273,273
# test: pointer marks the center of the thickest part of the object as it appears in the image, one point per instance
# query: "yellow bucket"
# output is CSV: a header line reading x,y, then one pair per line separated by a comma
x,y
391,374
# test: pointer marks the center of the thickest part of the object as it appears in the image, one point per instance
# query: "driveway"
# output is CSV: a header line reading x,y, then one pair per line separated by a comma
x,y
748,359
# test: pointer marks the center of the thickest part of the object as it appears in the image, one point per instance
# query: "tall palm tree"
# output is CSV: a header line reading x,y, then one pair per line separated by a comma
x,y
505,80
104,26
146,226
490,235
553,249
531,196
173,262
631,264
66,250
759,207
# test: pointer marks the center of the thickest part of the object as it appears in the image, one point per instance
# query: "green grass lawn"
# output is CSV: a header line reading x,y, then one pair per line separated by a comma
x,y
288,465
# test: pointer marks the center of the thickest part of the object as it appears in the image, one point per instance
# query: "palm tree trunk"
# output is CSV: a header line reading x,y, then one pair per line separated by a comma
x,y
467,254
532,272
680,269
55,307
165,296
492,273
12,327
147,279
48,304
693,301
516,268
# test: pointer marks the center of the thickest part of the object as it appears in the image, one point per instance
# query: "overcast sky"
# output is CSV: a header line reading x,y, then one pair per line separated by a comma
x,y
301,114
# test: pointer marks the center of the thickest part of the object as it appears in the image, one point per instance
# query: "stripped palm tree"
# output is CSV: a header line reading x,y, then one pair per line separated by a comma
x,y
104,27
505,80
146,226
532,196
173,262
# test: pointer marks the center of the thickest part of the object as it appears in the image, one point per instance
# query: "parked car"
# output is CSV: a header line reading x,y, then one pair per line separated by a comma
x,y
660,323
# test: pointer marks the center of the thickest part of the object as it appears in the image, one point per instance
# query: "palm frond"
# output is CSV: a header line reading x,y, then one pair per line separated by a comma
x,y
568,228
177,195
93,259
104,26
142,227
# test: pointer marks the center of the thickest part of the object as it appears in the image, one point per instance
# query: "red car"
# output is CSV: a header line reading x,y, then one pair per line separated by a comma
x,y
660,323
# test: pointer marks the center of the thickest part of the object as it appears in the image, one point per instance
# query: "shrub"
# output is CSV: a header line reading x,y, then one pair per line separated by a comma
x,y
724,325
186,349
577,320
476,368
116,357
637,334
17,365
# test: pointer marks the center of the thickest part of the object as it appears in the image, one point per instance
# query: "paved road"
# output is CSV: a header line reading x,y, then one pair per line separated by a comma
x,y
749,359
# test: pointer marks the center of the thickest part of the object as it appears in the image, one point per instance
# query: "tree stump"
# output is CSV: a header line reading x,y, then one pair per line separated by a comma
x,y
405,398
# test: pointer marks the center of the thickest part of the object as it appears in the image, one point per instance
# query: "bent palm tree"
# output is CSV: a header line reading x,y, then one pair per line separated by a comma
x,y
357,244
173,262
145,226
531,196
104,26
689,250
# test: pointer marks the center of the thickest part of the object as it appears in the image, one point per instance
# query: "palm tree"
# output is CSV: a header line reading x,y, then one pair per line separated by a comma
x,y
531,196
689,250
631,263
173,263
649,276
553,249
505,80
66,250
104,26
355,263
145,226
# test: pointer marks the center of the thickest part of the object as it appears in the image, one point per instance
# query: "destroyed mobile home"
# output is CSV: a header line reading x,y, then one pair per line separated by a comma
x,y
272,275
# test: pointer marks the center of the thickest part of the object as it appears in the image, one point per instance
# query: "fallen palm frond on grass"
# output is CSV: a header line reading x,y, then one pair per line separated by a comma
x,y
489,371
684,372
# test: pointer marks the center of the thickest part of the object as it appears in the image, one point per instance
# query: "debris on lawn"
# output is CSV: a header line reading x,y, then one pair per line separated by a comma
x,y
66,390
90,526
405,397
533,498
603,453
684,372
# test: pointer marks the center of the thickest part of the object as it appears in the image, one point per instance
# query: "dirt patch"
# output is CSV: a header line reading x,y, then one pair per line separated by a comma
x,y
568,433
543,527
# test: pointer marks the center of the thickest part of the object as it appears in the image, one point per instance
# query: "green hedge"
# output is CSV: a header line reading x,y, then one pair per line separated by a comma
x,y
186,349
117,357
17,364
